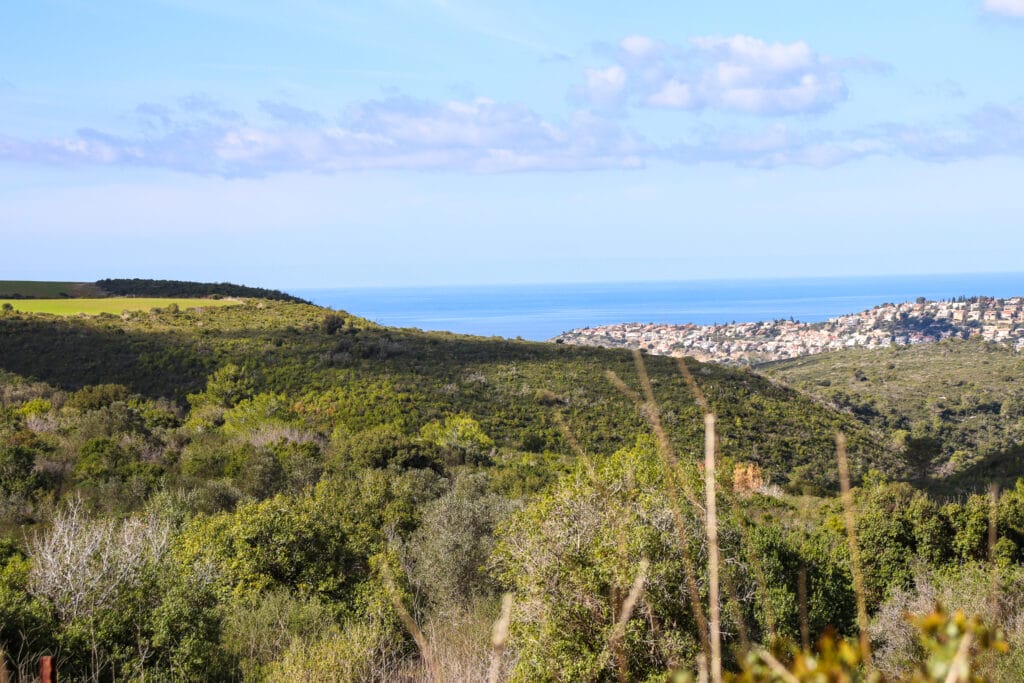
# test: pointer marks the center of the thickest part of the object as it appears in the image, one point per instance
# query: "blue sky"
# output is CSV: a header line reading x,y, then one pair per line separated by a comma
x,y
449,142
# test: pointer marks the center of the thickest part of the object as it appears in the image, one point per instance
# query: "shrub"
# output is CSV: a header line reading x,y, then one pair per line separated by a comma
x,y
450,550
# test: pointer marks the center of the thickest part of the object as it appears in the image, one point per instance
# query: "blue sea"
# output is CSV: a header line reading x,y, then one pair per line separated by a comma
x,y
540,312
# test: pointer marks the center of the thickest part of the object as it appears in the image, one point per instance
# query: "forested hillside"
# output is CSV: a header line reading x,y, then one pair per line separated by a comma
x,y
275,491
180,288
954,410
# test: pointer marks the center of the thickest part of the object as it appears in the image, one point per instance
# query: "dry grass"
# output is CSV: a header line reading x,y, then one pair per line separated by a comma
x,y
426,653
850,518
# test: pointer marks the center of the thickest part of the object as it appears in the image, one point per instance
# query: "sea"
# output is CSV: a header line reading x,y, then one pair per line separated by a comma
x,y
542,311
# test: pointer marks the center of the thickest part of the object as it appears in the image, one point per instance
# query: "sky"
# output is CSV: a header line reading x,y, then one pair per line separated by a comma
x,y
436,142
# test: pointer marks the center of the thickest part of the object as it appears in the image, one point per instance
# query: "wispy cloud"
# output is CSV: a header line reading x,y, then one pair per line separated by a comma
x,y
986,132
779,145
477,135
291,114
736,74
198,135
1005,8
201,103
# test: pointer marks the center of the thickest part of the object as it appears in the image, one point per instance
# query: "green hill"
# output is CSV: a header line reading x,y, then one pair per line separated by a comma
x,y
181,288
259,491
407,377
954,409
136,287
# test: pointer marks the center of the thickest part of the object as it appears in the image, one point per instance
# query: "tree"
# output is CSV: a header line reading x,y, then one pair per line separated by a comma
x,y
572,556
460,438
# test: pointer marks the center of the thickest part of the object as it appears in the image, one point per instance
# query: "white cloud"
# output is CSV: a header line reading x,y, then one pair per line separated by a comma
x,y
638,46
604,87
1006,8
673,94
737,74
481,135
477,135
747,51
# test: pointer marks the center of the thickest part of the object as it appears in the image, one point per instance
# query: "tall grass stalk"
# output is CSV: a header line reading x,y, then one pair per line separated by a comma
x,y
672,475
698,393
498,637
960,667
711,521
993,566
759,577
733,604
805,627
619,630
426,653
777,667
574,444
850,517
614,645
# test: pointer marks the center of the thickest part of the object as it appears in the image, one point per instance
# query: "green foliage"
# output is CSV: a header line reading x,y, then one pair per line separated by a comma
x,y
460,438
315,543
179,288
282,542
841,660
358,652
29,289
97,396
309,470
17,475
259,413
26,623
953,407
572,556
387,446
776,560
35,406
259,630
450,550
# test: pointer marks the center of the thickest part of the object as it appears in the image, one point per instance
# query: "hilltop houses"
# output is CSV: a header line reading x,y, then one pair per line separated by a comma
x,y
919,322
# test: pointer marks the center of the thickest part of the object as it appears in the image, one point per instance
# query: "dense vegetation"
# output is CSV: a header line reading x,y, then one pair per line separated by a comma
x,y
953,409
179,288
28,289
274,491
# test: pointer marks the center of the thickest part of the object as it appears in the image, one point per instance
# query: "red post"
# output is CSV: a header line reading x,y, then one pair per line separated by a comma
x,y
47,672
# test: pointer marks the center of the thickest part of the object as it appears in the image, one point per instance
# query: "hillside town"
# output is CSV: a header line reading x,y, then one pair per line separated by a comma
x,y
749,343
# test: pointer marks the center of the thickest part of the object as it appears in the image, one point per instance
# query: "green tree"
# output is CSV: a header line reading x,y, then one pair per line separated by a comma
x,y
460,438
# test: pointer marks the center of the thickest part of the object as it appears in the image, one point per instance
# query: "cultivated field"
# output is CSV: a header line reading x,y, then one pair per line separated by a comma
x,y
108,305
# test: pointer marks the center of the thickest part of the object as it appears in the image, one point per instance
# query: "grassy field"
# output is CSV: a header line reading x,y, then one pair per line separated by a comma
x,y
108,305
47,290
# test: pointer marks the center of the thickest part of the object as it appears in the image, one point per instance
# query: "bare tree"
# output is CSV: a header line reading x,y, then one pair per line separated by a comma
x,y
81,565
